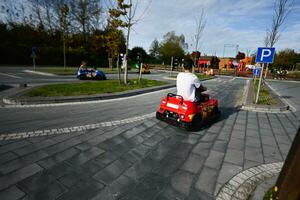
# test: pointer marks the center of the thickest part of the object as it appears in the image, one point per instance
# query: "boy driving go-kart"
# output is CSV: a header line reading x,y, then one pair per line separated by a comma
x,y
189,108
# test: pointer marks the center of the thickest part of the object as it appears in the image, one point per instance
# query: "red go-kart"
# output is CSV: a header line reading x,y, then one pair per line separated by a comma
x,y
185,114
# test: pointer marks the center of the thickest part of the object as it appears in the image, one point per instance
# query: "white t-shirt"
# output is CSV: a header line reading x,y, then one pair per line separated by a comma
x,y
186,85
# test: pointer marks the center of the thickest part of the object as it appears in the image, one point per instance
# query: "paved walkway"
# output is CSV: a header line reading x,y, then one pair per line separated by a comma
x,y
143,158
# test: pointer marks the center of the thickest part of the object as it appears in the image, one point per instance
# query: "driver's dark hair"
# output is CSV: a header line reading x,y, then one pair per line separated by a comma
x,y
188,64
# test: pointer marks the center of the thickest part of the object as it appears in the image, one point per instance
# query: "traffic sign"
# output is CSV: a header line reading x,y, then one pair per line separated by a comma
x,y
265,55
256,72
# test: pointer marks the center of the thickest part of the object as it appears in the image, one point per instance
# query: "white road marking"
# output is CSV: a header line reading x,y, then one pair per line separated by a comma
x,y
38,72
287,102
57,131
11,76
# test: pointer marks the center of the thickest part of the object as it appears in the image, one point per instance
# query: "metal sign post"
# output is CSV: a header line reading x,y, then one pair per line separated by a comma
x,y
259,83
33,56
171,66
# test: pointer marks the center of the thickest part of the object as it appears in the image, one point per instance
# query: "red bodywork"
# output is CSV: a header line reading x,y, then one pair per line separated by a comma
x,y
186,114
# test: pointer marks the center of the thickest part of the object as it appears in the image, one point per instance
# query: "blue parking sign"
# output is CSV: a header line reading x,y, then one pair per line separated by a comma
x,y
256,72
265,55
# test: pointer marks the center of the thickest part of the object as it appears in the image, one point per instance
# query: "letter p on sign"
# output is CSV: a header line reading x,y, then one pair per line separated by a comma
x,y
265,55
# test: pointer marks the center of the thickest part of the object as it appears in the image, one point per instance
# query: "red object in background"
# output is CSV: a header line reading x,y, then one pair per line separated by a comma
x,y
204,62
196,54
185,114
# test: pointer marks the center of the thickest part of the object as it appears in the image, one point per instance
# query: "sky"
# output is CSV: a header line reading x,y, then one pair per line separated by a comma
x,y
229,22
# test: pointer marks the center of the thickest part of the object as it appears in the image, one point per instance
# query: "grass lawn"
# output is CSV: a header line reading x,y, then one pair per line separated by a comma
x,y
203,76
200,76
265,98
69,70
268,194
90,88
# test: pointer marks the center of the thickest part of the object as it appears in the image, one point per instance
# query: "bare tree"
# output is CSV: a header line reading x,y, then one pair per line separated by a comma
x,y
84,12
49,14
282,8
38,13
200,25
127,18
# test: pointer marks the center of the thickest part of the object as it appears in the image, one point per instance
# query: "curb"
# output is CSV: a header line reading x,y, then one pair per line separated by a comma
x,y
15,100
243,184
248,105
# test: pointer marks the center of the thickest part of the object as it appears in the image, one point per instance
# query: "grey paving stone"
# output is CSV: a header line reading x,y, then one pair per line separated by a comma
x,y
154,140
85,156
254,154
22,162
103,194
57,158
268,140
8,156
207,180
169,193
220,146
13,146
236,143
224,135
214,160
228,170
168,166
112,171
214,129
83,146
34,147
83,190
62,146
238,134
227,128
150,188
105,158
15,177
208,137
271,153
284,149
283,139
234,156
200,195
253,142
252,133
121,186
162,149
248,164
52,191
133,132
193,163
252,126
137,153
202,148
182,181
111,143
191,139
136,140
11,193
141,169
38,181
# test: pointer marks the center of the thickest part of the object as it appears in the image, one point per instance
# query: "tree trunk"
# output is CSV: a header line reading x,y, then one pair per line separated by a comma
x,y
110,63
127,44
64,49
